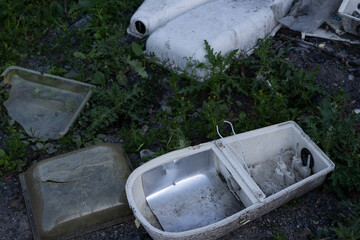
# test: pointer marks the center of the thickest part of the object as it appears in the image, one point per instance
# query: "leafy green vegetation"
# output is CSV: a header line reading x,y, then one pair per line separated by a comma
x,y
336,134
278,236
14,154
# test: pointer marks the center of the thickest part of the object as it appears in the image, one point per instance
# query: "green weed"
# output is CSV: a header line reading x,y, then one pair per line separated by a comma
x,y
278,236
336,135
137,138
14,153
281,92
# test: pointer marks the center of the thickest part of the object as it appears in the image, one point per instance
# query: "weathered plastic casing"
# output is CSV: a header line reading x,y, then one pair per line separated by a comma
x,y
77,192
178,29
44,105
351,23
153,14
260,145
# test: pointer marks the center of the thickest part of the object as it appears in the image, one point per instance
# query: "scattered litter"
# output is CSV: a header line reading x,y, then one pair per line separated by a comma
x,y
321,45
350,14
77,192
307,15
82,23
44,105
335,23
324,50
204,192
326,34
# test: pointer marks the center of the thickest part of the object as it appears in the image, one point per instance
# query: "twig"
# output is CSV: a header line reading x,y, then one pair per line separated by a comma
x,y
344,60
65,8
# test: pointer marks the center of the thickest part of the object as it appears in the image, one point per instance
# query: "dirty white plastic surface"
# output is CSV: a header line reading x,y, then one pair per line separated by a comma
x,y
261,146
350,14
226,24
152,14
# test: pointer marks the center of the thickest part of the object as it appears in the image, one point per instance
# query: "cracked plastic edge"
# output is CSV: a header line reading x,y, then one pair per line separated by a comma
x,y
81,106
45,75
28,206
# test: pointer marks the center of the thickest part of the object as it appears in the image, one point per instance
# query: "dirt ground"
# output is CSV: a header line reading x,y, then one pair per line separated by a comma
x,y
302,218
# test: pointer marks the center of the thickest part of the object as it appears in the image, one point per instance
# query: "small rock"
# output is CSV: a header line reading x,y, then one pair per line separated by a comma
x,y
357,111
335,84
343,54
43,69
145,153
351,77
16,205
145,128
330,49
166,109
305,233
24,224
352,70
11,122
67,67
71,74
51,149
39,145
269,233
82,23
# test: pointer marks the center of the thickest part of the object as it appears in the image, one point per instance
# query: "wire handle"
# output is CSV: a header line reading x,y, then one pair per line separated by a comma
x,y
241,146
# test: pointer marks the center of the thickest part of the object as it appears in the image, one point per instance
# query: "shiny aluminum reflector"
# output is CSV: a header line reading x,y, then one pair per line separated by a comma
x,y
188,193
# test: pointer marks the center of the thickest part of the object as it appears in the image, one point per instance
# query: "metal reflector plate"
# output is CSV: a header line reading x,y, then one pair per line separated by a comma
x,y
188,193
